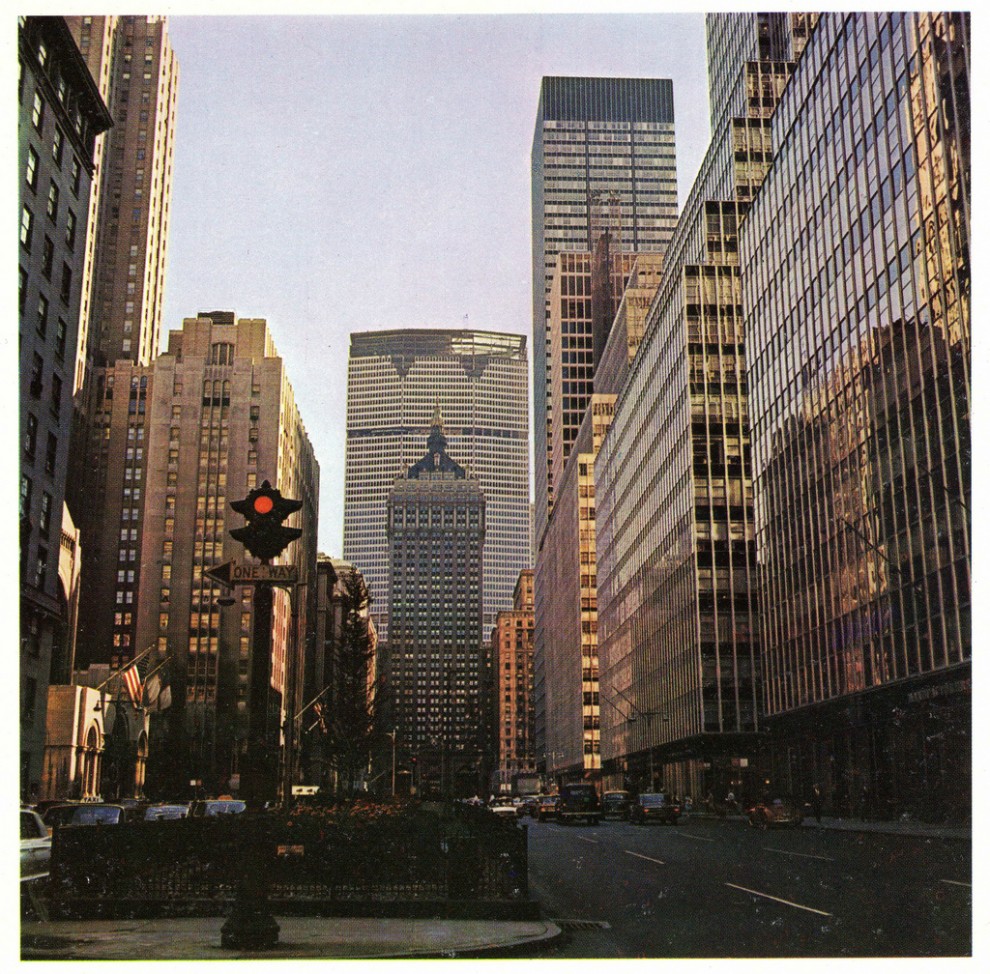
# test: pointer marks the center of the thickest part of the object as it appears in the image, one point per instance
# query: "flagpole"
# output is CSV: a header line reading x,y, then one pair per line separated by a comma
x,y
124,669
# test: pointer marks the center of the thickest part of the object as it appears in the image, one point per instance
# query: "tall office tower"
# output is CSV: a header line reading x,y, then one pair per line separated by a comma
x,y
134,65
598,143
566,688
586,288
395,380
512,685
677,608
856,285
433,660
172,444
341,673
60,116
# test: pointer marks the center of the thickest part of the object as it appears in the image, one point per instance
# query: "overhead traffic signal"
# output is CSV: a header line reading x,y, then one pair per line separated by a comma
x,y
265,509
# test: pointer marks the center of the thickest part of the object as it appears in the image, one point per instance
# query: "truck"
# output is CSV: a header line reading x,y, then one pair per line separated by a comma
x,y
579,800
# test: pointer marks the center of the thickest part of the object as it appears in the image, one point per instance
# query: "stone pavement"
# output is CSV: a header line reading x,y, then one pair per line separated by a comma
x,y
299,937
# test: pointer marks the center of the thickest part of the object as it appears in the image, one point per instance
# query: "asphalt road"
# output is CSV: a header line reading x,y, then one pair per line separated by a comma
x,y
709,888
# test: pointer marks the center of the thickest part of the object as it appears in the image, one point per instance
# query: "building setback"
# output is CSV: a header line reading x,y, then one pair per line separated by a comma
x,y
512,684
433,661
856,284
395,379
172,444
603,152
60,116
675,545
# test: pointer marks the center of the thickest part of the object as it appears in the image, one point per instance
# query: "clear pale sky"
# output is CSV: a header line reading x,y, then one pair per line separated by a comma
x,y
352,173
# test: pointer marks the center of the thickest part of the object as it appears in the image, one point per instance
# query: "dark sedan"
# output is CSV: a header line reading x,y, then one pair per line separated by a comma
x,y
615,804
776,813
654,807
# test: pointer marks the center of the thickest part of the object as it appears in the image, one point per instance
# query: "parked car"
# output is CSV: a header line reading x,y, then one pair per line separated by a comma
x,y
654,807
96,813
776,813
213,807
530,805
36,843
615,804
579,800
163,812
548,807
59,814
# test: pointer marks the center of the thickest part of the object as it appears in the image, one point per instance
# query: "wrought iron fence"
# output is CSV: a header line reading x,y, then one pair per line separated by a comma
x,y
470,865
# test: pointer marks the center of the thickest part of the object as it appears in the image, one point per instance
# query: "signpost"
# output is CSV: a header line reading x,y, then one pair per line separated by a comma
x,y
232,573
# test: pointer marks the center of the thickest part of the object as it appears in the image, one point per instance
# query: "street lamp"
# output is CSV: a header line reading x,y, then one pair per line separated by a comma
x,y
647,715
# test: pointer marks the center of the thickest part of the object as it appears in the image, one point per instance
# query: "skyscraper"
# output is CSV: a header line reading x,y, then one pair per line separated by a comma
x,y
60,116
137,73
599,143
171,445
395,381
676,558
433,660
859,366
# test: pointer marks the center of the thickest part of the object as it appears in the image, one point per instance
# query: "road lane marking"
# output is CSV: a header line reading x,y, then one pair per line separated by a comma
x,y
584,838
955,882
647,858
777,899
687,835
803,855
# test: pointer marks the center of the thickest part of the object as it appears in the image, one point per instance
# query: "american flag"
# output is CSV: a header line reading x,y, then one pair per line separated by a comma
x,y
132,680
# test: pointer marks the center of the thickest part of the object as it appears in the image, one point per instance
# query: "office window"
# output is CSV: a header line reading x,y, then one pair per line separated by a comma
x,y
65,289
56,395
51,453
60,335
53,201
70,230
47,257
57,146
76,175
42,315
31,175
45,515
38,111
27,228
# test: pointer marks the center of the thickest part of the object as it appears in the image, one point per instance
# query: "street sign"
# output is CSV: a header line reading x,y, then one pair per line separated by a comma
x,y
232,573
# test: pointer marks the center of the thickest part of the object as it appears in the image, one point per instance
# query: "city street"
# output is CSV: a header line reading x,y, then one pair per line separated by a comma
x,y
710,888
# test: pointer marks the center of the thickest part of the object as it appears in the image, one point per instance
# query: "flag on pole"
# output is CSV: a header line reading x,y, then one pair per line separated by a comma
x,y
132,680
321,718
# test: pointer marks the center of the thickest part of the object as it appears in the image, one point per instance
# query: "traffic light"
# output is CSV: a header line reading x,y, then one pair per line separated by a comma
x,y
265,509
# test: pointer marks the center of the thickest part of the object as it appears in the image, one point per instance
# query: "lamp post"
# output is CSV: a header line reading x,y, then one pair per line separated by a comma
x,y
647,715
392,735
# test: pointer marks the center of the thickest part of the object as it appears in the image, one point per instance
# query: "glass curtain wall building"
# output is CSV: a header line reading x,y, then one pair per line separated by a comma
x,y
598,141
396,379
856,287
677,612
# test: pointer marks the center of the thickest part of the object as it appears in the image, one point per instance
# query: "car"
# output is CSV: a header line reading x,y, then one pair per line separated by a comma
x,y
775,813
165,813
654,806
215,807
36,844
615,804
548,807
530,805
579,801
503,808
97,813
59,814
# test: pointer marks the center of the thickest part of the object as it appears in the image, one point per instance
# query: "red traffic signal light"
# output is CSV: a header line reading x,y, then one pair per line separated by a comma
x,y
265,508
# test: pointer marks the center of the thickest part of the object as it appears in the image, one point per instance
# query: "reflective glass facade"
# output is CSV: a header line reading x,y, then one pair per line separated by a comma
x,y
594,138
676,552
855,262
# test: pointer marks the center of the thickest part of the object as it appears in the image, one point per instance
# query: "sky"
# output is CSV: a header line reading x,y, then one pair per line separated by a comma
x,y
348,173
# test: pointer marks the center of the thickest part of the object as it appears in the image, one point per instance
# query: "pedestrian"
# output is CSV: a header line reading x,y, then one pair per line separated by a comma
x,y
816,802
730,800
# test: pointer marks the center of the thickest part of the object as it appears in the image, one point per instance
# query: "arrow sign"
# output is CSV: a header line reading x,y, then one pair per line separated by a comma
x,y
232,573
221,573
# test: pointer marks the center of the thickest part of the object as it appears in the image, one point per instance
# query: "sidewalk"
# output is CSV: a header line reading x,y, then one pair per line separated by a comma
x,y
299,937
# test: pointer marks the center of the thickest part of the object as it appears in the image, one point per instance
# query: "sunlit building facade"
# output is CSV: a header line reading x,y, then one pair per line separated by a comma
x,y
856,285
598,142
677,605
396,379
